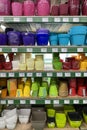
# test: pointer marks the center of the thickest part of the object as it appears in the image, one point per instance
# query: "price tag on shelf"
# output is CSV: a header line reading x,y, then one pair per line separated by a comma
x,y
54,49
49,74
59,74
10,101
39,74
43,49
55,102
16,19
80,50
22,102
29,49
3,75
78,74
32,101
76,101
84,101
29,19
29,74
65,19
47,102
21,74
67,74
75,19
14,49
57,19
66,101
45,19
1,19
0,49
3,102
11,75
64,50
85,74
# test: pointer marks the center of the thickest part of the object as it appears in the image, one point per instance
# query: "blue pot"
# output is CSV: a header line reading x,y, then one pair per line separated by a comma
x,y
63,39
53,39
3,39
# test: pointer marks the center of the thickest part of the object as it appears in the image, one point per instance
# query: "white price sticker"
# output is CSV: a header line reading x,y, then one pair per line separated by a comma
x,y
29,74
43,49
47,102
85,74
59,74
11,74
84,101
57,20
21,74
54,49
65,19
56,102
2,74
67,74
45,19
29,50
14,49
22,102
49,74
32,101
1,19
16,19
29,19
79,49
78,74
75,19
76,102
66,101
10,102
63,49
39,74
3,102
0,49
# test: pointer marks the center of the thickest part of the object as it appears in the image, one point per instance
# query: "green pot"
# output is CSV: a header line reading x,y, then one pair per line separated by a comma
x,y
50,112
45,84
51,125
53,92
57,65
34,89
42,92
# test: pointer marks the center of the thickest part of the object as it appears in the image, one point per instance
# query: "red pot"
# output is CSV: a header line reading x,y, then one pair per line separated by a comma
x,y
55,10
63,9
72,92
82,91
72,83
1,65
75,65
7,65
66,65
84,7
80,81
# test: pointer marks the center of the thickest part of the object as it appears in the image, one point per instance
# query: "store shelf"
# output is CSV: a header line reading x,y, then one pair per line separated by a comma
x,y
67,73
58,19
43,49
56,101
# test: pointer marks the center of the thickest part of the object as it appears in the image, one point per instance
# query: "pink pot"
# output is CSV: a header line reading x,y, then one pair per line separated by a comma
x,y
84,8
55,10
17,9
63,9
29,8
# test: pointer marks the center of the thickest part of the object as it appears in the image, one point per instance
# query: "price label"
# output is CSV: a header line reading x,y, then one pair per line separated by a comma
x,y
57,20
64,50
76,102
79,49
85,74
3,102
75,19
78,74
54,49
39,74
47,102
56,102
84,101
3,75
29,74
11,74
29,50
43,49
1,19
21,74
45,19
10,102
22,102
49,74
14,49
67,74
66,101
65,19
0,49
32,102
16,19
29,19
59,74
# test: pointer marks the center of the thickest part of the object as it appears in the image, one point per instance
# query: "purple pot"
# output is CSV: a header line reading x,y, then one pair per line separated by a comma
x,y
3,39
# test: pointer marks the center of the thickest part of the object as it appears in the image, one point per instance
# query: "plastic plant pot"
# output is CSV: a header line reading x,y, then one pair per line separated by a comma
x,y
17,8
66,65
72,91
81,91
50,112
63,39
72,83
51,122
57,65
63,9
85,114
7,65
53,39
42,92
3,39
53,92
55,10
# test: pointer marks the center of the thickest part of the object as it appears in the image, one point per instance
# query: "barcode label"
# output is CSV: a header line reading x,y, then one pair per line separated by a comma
x,y
16,19
79,49
22,102
67,74
84,101
76,102
65,19
21,74
85,74
1,19
64,50
66,101
75,19
29,74
54,49
2,74
11,74
0,49
3,102
47,102
10,102
43,49
14,49
78,74
29,19
32,102
49,74
29,50
45,19
59,74
39,74
57,19
56,102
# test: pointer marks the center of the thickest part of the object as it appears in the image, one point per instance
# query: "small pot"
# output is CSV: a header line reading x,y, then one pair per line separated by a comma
x,y
72,91
7,65
82,91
